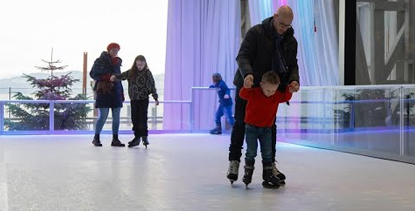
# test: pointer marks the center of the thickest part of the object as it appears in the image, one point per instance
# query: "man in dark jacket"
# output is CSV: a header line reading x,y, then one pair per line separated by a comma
x,y
267,46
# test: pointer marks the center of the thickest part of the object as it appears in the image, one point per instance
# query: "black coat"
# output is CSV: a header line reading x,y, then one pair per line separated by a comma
x,y
256,53
101,72
141,85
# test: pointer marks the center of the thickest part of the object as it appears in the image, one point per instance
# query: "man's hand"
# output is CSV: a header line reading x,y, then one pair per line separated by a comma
x,y
156,102
294,87
226,97
249,81
113,78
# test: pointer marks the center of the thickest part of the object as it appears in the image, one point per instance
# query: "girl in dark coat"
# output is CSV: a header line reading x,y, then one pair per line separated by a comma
x,y
140,85
109,92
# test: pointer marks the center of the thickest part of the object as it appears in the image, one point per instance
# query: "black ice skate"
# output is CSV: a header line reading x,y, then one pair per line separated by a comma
x,y
233,170
270,180
135,142
217,130
145,141
278,173
249,171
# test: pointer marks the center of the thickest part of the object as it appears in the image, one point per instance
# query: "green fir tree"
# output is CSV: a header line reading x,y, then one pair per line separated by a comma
x,y
35,116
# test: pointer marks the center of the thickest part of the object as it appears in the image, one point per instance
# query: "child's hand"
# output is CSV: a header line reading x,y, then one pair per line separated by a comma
x,y
113,78
226,97
290,89
294,87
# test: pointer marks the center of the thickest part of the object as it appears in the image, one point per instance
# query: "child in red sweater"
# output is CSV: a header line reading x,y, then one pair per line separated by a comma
x,y
261,110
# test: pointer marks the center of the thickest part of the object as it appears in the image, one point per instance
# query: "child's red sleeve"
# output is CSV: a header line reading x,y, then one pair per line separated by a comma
x,y
283,96
244,93
288,95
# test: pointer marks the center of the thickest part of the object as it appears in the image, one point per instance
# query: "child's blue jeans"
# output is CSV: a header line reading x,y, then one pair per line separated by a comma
x,y
263,134
227,110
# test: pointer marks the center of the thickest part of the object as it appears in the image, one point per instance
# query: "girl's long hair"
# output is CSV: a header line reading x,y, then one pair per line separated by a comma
x,y
134,69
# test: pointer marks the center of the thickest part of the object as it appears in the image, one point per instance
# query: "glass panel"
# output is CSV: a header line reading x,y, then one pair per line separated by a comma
x,y
73,116
373,119
26,116
206,100
309,117
409,121
361,119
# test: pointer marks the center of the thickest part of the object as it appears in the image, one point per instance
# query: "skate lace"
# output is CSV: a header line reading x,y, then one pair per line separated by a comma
x,y
275,170
233,168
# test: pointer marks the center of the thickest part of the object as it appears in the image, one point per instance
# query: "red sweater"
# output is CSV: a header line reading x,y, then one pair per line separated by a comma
x,y
261,110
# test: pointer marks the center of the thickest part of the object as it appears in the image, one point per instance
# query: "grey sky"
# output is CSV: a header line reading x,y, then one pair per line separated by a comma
x,y
31,28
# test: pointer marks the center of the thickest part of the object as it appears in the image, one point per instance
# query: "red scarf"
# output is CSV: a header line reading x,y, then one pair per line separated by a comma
x,y
114,60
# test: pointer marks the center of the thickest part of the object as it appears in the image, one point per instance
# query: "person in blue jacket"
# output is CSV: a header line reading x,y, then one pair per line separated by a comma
x,y
225,103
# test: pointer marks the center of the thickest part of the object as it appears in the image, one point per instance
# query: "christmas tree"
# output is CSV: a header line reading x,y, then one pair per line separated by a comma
x,y
35,116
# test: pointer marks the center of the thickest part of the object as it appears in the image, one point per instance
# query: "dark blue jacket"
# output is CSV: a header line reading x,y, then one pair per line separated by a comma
x,y
222,89
101,72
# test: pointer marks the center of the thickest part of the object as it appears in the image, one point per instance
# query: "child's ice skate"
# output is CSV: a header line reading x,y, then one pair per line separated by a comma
x,y
249,171
233,170
217,130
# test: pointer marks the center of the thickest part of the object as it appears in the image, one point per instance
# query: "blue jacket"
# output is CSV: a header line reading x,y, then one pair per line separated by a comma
x,y
101,72
223,89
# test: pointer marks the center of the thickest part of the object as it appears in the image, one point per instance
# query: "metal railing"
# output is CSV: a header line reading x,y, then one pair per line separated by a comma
x,y
375,120
154,119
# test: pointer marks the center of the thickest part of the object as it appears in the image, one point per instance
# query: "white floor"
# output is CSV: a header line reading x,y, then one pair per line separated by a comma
x,y
187,172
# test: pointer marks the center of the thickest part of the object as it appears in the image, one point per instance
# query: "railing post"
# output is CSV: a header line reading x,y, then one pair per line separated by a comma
x,y
51,116
1,117
191,110
352,113
10,97
402,142
324,110
154,113
389,112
